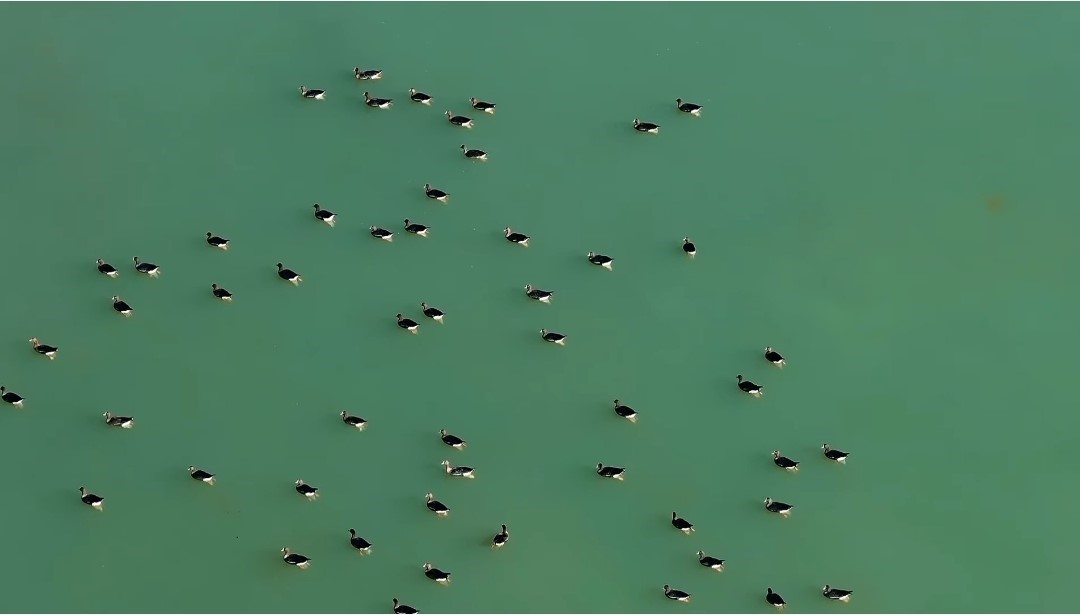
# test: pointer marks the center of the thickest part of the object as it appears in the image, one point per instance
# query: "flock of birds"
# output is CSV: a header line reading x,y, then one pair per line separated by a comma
x,y
439,509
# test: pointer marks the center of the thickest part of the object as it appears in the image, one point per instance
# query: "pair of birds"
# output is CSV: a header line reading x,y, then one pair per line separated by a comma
x,y
149,269
97,502
685,107
410,227
412,326
791,465
756,390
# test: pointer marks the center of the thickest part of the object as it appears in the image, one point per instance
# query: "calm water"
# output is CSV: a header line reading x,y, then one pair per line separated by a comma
x,y
885,193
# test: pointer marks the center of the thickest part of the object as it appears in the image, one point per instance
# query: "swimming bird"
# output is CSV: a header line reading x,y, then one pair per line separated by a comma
x,y
774,599
681,524
452,441
784,462
600,260
362,546
436,194
459,120
462,471
288,275
11,397
689,247
626,412
121,306
325,215
833,454
688,107
408,324
646,127
676,594
610,471
217,242
543,296
381,233
313,94
420,97
353,421
307,490
749,387
519,238
480,105
107,269
433,313
415,228
220,292
149,269
436,575
377,103
501,538
93,501
554,338
367,75
832,593
123,422
710,562
43,349
201,475
295,559
403,609
436,506
774,357
779,508
474,154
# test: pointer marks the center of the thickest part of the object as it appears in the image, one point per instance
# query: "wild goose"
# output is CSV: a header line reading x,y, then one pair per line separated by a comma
x,y
201,475
107,269
353,421
779,508
295,559
436,506
325,215
689,247
676,594
552,337
833,593
123,422
543,296
833,454
121,306
419,97
362,546
415,228
408,324
459,120
480,105
433,313
501,538
600,260
626,412
11,397
774,357
403,609
681,524
748,387
381,233
93,501
474,154
439,576
785,462
220,292
288,275
774,598
610,471
519,238
377,103
312,94
452,441
436,194
149,269
710,562
462,471
367,75
44,350
306,490
688,107
648,127
217,242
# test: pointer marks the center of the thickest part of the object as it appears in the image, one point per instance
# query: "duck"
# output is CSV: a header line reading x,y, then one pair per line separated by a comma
x,y
307,490
681,524
554,338
107,269
610,471
149,269
459,120
676,594
833,454
439,576
201,475
689,247
362,546
501,538
377,103
462,471
325,215
408,324
121,306
415,228
784,462
381,233
433,313
543,296
220,292
452,441
648,127
289,275
436,506
93,501
626,412
295,559
44,350
474,154
774,357
688,107
217,242
353,421
774,598
748,387
11,397
520,239
480,105
832,593
313,94
436,194
779,508
123,422
420,97
403,609
600,260
710,562
367,75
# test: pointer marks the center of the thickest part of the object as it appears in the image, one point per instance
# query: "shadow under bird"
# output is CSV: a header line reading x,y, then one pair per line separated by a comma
x,y
520,239
289,275
460,471
353,421
403,609
625,412
785,462
107,269
221,293
217,242
11,397
552,337
647,127
436,506
610,471
543,296
600,260
123,422
44,350
749,387
121,306
452,441
676,594
295,559
834,455
367,75
688,107
307,490
774,599
780,508
363,547
312,94
149,269
419,97
377,103
681,524
474,154
202,475
93,501
480,105
710,562
833,593
325,215
439,576
408,324
501,538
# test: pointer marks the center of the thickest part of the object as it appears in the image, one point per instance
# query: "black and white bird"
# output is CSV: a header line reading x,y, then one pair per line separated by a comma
x,y
552,337
307,490
833,454
681,524
289,275
688,107
123,422
408,324
710,562
480,105
149,269
362,546
460,471
439,576
403,609
648,127
44,350
93,501
600,260
459,120
220,292
415,228
748,387
452,441
295,559
433,313
353,421
201,475
367,75
785,462
779,508
381,233
501,538
833,593
774,357
610,471
377,103
312,94
325,215
11,397
436,194
474,154
419,97
121,306
520,239
107,269
626,412
543,296
217,242
436,506
676,594
689,247
774,598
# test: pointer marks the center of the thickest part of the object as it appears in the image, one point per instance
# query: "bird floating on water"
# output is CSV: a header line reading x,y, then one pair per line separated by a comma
x,y
710,562
107,269
543,296
774,599
833,593
676,594
501,538
123,422
381,233
439,576
610,471
689,247
748,387
288,275
121,306
325,215
149,269
648,127
312,94
774,357
785,462
93,501
459,120
433,313
403,609
436,194
833,454
295,559
11,397
552,337
462,471
480,105
307,490
520,239
416,229
353,421
688,107
419,97
408,324
220,292
202,475
377,103
217,242
779,508
44,350
436,506
367,75
600,260
362,546
681,524
474,154
626,412
452,441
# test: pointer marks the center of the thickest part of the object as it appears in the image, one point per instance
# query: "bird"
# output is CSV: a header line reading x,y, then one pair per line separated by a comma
x,y
366,75
710,562
436,194
353,421
480,105
774,599
220,292
748,387
688,107
107,269
543,296
307,490
149,269
288,275
123,422
403,609
784,462
415,228
774,357
121,306
381,233
433,313
377,103
313,94
610,471
43,349
362,546
779,508
459,120
474,154
436,575
833,454
452,440
554,338
689,247
201,475
832,593
626,412
462,471
295,559
93,501
600,260
681,524
501,538
436,506
676,594
646,127
11,397
325,215
408,324
519,238
420,97
217,242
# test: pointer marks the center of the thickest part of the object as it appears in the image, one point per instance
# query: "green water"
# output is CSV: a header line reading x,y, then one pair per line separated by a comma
x,y
885,193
